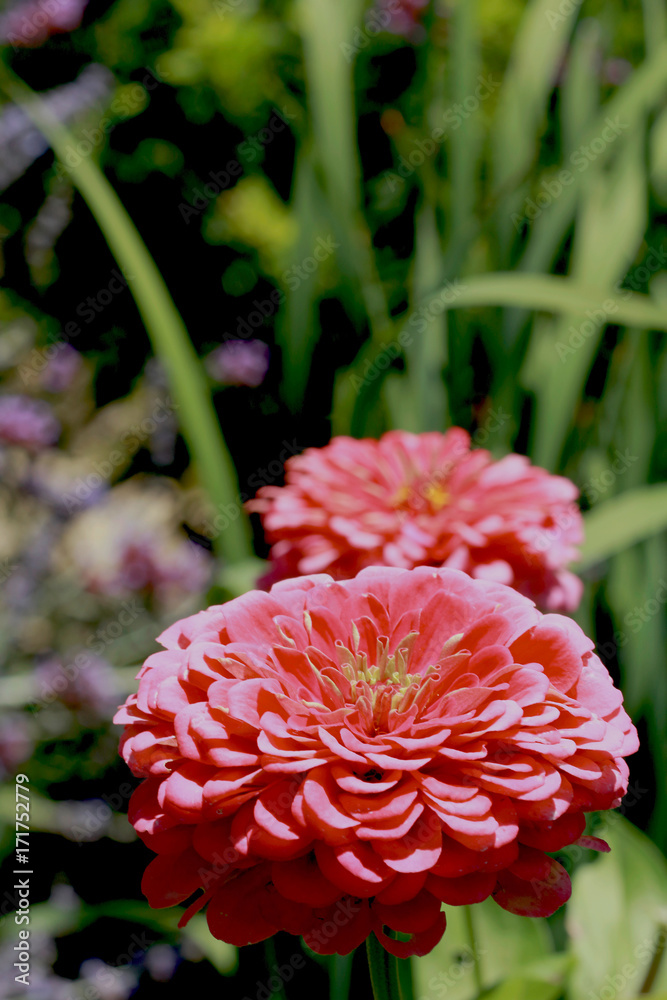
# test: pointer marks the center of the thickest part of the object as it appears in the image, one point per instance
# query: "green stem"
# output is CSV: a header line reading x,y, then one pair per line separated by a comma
x,y
271,961
163,322
656,962
340,976
470,927
383,968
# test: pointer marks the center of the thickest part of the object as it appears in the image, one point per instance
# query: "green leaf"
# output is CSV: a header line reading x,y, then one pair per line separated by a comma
x,y
629,104
426,353
222,956
524,989
297,326
610,228
552,293
506,946
615,915
623,521
538,51
464,143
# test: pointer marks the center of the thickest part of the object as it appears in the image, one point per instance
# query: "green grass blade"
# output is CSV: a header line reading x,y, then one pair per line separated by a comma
x,y
655,24
623,521
537,54
556,294
629,105
610,227
162,320
465,142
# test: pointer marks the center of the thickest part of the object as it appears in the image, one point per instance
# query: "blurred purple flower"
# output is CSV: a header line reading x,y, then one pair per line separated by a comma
x,y
131,542
161,961
108,982
30,23
27,422
61,370
404,19
239,362
616,71
147,566
85,683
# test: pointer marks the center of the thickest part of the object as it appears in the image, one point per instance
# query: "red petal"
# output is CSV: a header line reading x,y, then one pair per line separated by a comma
x,y
412,917
537,898
554,836
235,913
302,881
531,864
462,891
355,867
420,944
403,887
340,928
171,878
594,844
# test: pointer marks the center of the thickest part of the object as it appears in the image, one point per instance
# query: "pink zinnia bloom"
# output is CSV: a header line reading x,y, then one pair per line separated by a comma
x,y
335,758
424,500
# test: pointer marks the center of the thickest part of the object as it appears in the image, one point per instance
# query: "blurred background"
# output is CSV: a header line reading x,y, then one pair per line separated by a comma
x,y
411,214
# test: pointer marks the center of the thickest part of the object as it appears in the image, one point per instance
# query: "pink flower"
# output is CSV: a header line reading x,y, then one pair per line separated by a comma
x,y
424,499
333,759
27,422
